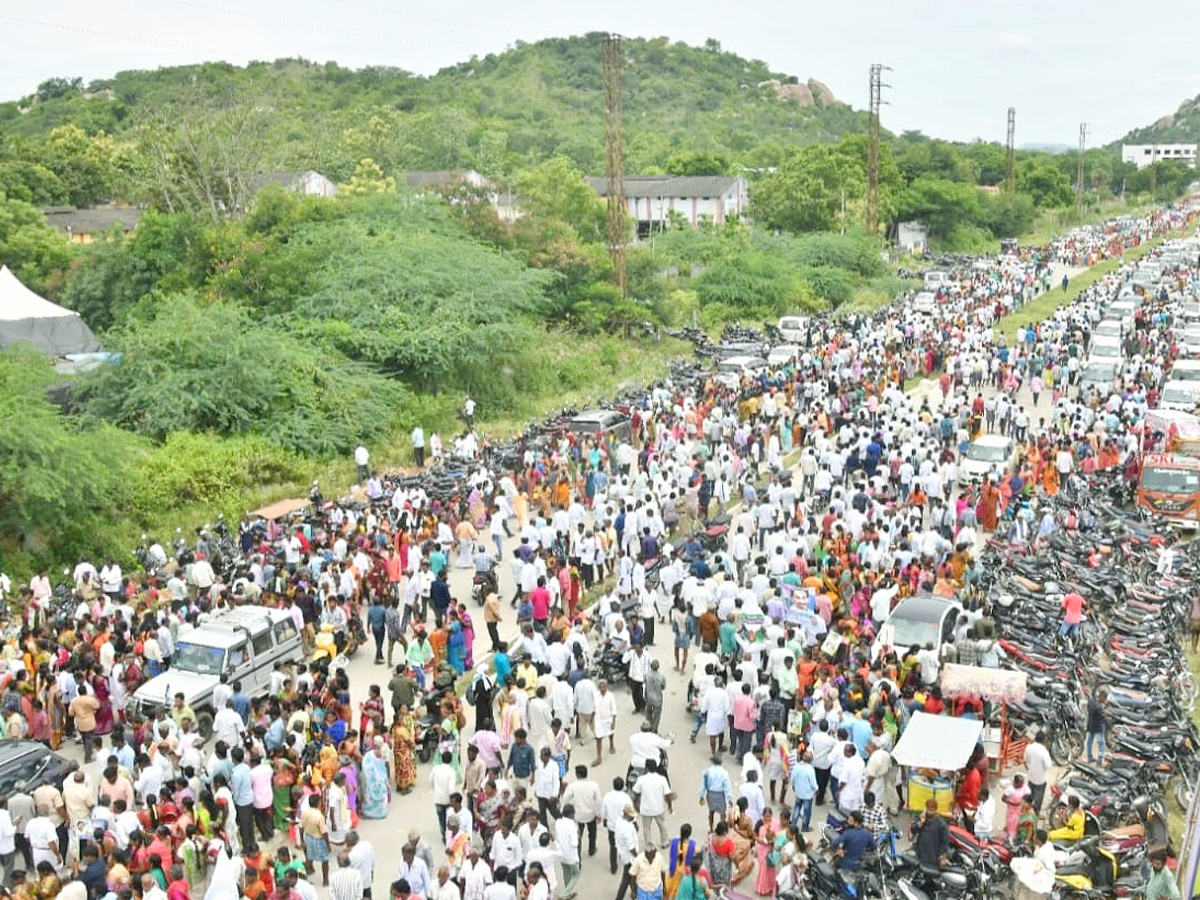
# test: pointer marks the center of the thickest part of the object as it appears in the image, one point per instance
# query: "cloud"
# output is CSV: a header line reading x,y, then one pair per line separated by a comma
x,y
1014,42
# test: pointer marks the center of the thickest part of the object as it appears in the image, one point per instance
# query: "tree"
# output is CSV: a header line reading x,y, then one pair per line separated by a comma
x,y
939,204
205,157
806,192
988,162
90,167
368,178
53,88
1008,215
1045,184
28,246
191,365
57,480
556,190
698,164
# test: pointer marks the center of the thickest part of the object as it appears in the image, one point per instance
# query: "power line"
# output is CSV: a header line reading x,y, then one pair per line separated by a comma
x,y
95,32
307,26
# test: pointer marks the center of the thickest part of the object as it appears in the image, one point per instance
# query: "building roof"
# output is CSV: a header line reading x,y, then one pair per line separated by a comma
x,y
289,180
95,220
444,178
670,185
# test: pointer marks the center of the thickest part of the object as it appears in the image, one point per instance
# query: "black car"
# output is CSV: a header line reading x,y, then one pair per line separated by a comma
x,y
30,764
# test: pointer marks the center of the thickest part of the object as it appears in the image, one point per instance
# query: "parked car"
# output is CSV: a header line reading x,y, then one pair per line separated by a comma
x,y
925,303
783,355
1098,375
596,422
1105,347
988,454
1180,395
917,621
30,764
793,329
730,371
243,643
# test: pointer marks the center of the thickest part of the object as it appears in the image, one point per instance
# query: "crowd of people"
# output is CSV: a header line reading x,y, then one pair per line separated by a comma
x,y
838,490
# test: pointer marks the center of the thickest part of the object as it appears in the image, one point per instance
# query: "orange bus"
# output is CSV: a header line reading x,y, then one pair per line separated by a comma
x,y
1169,486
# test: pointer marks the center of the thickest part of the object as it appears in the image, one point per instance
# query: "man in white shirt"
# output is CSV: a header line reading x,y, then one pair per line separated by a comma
x,y
626,845
612,809
850,777
654,798
546,786
566,836
476,875
228,726
583,797
443,779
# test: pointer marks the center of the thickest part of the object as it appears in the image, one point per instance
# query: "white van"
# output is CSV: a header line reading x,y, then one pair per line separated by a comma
x,y
243,643
937,279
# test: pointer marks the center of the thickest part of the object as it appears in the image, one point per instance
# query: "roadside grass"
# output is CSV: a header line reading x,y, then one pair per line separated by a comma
x,y
1053,222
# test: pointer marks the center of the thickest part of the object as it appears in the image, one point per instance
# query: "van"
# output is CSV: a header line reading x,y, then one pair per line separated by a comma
x,y
937,279
601,422
243,643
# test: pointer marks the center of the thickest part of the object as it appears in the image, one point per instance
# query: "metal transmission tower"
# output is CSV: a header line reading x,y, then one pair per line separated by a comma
x,y
1010,148
614,152
1083,130
877,87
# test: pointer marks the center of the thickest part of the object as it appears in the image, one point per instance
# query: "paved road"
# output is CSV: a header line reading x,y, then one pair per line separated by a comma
x,y
687,761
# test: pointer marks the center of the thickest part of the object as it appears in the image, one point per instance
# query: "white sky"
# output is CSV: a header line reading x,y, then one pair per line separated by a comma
x,y
957,64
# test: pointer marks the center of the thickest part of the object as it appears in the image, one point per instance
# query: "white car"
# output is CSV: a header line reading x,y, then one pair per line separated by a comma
x,y
793,329
730,371
783,355
990,454
1108,328
925,303
1191,339
1180,395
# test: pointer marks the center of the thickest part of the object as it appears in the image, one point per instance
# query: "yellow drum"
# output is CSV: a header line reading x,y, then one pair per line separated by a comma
x,y
920,789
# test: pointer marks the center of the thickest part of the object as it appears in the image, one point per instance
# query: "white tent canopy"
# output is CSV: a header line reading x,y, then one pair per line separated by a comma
x,y
27,318
937,742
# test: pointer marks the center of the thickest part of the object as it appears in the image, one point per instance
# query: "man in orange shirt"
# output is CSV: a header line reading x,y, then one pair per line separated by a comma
x,y
83,710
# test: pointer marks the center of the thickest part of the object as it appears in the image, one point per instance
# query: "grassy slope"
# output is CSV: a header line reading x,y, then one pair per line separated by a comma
x,y
588,370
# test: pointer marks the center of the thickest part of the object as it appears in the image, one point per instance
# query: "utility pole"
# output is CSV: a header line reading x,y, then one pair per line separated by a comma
x,y
1010,149
1083,129
1153,169
614,155
876,102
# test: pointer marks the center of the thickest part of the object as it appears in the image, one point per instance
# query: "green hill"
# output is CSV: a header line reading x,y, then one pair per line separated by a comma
x,y
496,114
1182,126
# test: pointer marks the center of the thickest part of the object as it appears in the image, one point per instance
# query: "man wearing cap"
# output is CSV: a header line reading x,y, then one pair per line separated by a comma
x,y
648,875
626,838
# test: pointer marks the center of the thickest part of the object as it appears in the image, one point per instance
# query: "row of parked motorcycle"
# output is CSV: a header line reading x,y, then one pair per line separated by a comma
x,y
1130,651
